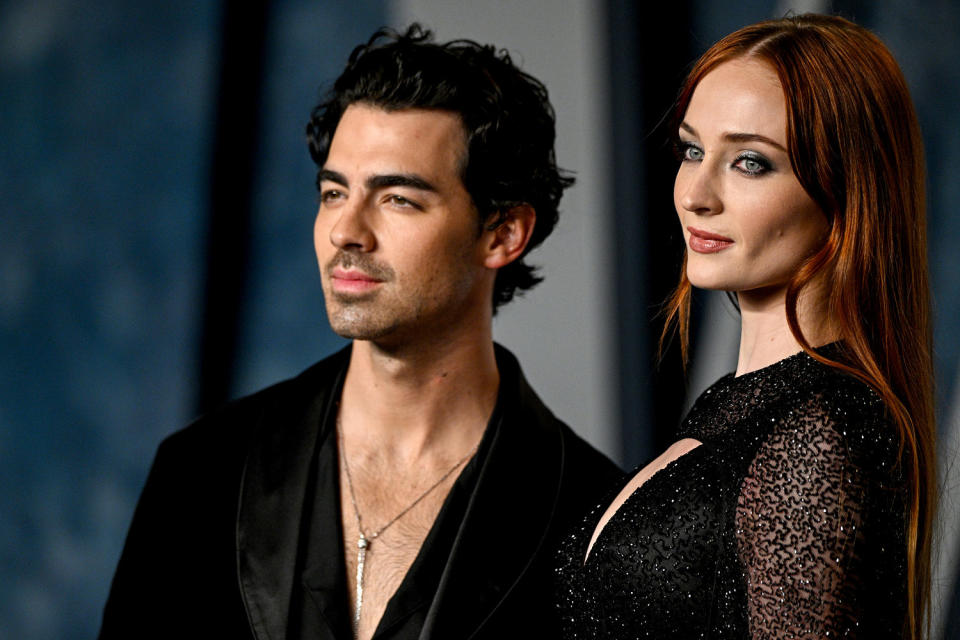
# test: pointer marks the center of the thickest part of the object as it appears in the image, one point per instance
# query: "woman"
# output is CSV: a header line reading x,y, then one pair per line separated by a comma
x,y
796,501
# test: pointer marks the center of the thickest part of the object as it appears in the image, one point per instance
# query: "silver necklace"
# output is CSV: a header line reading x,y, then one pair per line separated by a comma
x,y
364,540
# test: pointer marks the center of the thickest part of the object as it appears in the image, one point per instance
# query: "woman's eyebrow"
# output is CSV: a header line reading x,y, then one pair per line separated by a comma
x,y
738,137
753,137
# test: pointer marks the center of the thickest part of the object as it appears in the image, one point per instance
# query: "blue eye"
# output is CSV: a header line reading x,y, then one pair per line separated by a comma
x,y
752,164
687,151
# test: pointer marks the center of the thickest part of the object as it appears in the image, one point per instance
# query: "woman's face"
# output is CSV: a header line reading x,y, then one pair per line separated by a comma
x,y
747,221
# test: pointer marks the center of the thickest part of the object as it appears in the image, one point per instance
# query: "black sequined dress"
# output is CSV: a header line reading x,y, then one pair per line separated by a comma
x,y
787,521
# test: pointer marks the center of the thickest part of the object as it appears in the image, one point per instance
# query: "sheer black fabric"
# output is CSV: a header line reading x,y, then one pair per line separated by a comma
x,y
786,522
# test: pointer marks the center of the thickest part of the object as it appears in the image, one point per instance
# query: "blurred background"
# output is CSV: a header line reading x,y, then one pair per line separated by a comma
x,y
156,259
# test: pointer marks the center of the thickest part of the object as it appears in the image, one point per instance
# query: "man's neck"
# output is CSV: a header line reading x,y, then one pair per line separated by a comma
x,y
421,401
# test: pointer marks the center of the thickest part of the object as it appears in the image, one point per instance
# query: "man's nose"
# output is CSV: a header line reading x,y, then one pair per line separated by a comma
x,y
352,230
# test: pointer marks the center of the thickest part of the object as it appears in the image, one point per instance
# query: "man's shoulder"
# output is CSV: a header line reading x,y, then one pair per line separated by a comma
x,y
584,456
583,465
236,420
587,472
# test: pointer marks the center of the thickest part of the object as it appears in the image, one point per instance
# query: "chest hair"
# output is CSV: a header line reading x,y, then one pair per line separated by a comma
x,y
380,497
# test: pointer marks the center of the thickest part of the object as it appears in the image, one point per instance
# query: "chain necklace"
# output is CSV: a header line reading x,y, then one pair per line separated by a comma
x,y
364,540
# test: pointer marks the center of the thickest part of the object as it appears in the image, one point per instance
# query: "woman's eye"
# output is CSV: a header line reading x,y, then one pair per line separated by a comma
x,y
689,151
752,165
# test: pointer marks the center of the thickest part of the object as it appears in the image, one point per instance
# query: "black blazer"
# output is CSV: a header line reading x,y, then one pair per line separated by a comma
x,y
212,548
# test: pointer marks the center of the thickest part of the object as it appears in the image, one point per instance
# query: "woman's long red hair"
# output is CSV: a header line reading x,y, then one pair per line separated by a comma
x,y
855,146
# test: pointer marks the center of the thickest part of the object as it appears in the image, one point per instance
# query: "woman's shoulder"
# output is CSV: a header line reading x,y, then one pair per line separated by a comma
x,y
841,410
838,397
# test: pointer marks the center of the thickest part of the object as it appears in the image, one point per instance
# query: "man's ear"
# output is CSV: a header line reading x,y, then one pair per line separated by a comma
x,y
507,241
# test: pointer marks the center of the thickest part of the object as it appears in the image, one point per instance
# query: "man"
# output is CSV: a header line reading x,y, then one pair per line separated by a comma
x,y
412,485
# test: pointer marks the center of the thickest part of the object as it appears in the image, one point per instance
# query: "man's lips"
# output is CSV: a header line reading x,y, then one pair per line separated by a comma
x,y
352,280
705,242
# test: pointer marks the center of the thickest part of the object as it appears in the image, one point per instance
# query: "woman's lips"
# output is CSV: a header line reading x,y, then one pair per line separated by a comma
x,y
706,242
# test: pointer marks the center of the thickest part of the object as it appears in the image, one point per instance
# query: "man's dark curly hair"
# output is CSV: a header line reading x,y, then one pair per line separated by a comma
x,y
506,114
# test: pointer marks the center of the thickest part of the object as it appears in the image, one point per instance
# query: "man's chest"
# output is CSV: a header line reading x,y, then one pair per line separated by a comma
x,y
383,534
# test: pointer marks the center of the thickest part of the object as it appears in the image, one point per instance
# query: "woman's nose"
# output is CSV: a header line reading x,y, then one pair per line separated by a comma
x,y
697,190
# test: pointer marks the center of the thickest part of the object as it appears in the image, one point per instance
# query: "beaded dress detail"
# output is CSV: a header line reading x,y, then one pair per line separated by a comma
x,y
786,522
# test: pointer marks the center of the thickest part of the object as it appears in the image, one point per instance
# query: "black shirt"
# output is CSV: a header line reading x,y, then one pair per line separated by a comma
x,y
217,544
319,600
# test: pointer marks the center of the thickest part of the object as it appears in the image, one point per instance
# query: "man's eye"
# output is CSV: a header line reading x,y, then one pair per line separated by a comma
x,y
330,195
400,201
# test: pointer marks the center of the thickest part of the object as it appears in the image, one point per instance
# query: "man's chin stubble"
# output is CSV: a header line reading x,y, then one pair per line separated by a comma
x,y
349,319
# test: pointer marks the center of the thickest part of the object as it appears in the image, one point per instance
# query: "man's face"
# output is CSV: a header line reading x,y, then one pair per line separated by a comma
x,y
397,235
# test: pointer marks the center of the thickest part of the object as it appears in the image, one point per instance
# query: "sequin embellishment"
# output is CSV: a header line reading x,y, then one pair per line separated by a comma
x,y
786,523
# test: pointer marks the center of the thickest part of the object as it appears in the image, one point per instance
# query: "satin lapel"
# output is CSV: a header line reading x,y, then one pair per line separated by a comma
x,y
508,516
272,497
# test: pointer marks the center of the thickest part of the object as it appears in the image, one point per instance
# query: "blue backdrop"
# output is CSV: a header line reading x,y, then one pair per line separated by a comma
x,y
106,117
106,121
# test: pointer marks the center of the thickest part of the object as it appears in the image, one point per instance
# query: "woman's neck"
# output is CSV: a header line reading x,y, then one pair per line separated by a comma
x,y
765,336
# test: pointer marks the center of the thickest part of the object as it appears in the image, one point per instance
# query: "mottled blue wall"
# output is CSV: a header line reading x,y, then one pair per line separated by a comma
x,y
102,172
105,118
105,122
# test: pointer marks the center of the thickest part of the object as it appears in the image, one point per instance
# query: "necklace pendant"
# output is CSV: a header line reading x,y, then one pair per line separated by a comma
x,y
362,544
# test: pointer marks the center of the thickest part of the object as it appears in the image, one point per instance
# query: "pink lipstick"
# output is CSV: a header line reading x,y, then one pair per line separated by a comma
x,y
706,242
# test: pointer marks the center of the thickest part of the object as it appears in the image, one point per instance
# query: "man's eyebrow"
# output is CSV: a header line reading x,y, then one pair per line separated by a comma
x,y
400,180
379,181
332,176
738,137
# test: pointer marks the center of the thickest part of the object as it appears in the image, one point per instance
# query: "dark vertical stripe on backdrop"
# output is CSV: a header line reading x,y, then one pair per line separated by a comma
x,y
232,177
650,51
666,53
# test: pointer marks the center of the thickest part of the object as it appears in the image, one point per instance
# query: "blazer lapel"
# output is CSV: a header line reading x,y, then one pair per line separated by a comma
x,y
272,497
508,516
